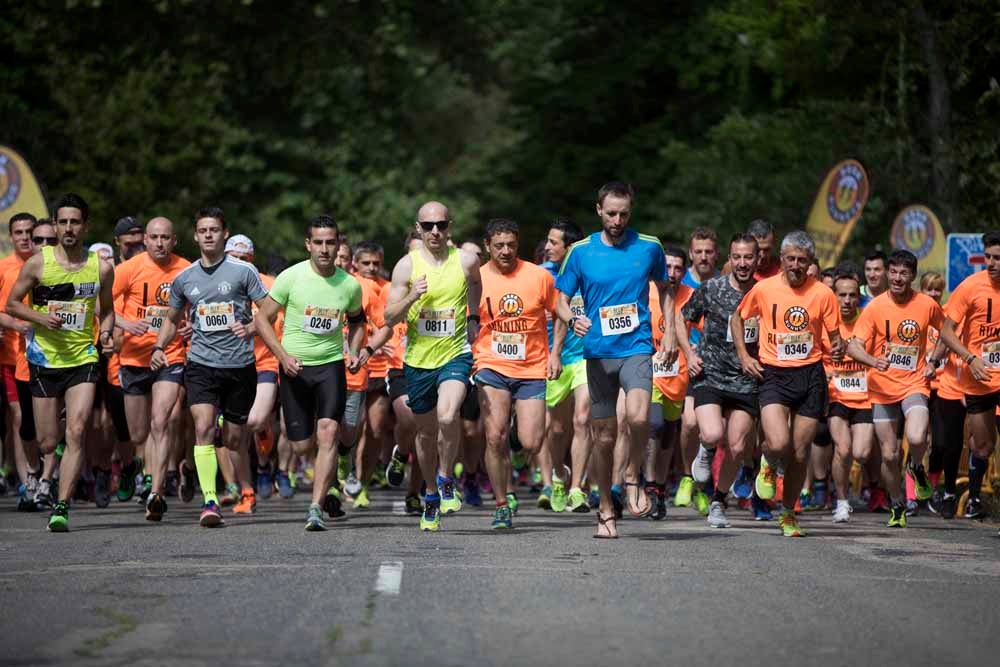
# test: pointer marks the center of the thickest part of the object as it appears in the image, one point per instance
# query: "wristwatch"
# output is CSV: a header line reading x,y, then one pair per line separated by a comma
x,y
473,318
371,352
572,322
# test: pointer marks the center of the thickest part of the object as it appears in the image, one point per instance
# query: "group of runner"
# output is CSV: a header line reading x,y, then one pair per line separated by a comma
x,y
607,365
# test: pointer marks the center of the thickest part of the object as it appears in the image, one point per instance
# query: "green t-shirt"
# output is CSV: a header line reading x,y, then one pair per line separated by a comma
x,y
315,312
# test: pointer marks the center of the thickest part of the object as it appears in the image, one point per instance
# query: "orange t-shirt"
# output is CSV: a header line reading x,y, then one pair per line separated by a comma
x,y
849,379
974,305
898,332
394,359
370,305
10,268
263,360
513,338
672,381
793,320
141,292
378,365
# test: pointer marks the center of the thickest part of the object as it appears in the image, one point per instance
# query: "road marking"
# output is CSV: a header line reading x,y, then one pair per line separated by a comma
x,y
390,577
399,507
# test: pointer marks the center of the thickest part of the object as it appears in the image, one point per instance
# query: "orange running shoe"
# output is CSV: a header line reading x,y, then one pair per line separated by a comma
x,y
247,504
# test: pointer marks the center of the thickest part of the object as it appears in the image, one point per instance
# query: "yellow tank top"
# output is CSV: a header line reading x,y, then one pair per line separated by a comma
x,y
435,324
73,296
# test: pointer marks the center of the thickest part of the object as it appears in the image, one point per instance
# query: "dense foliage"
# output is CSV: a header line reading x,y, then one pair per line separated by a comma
x,y
719,111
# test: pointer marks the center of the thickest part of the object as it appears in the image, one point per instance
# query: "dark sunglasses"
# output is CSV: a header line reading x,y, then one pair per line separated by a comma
x,y
428,225
46,240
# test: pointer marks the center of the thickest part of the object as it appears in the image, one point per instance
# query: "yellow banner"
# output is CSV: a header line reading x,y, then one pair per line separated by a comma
x,y
19,193
838,206
918,230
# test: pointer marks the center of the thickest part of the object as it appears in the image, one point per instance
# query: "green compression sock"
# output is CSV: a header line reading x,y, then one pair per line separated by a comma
x,y
208,467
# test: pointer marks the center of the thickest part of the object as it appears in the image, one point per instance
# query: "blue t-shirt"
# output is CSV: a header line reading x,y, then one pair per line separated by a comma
x,y
572,350
614,281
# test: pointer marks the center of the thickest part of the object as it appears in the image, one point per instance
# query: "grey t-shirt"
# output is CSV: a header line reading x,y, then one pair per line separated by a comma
x,y
219,296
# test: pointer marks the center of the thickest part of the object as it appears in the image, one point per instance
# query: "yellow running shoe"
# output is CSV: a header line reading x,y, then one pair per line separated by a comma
x,y
766,480
430,520
684,491
790,525
702,502
361,500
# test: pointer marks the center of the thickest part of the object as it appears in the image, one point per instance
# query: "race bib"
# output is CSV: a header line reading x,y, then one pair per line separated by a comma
x,y
902,357
751,332
155,315
512,346
72,313
991,354
851,382
662,370
216,316
436,323
576,306
794,346
320,320
617,320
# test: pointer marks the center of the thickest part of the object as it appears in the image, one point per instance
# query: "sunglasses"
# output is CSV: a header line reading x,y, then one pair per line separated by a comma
x,y
46,240
428,225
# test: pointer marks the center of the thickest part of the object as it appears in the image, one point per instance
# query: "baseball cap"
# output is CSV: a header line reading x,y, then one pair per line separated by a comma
x,y
240,243
127,225
102,247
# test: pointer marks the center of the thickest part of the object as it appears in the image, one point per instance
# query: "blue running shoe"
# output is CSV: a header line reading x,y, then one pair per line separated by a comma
x,y
472,496
265,485
594,499
761,512
616,501
285,488
502,518
743,486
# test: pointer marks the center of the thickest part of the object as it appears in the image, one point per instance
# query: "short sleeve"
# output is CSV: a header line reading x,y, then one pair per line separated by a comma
x,y
831,312
548,292
354,303
659,268
749,306
937,317
177,298
863,328
255,286
694,309
280,288
958,303
568,281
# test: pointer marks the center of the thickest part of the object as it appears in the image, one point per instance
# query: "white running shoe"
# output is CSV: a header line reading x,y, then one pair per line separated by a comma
x,y
717,516
701,467
842,513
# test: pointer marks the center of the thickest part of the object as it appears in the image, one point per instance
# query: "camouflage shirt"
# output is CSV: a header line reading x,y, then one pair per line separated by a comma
x,y
716,300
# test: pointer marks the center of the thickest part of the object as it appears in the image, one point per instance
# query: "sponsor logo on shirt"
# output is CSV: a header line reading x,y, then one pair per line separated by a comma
x,y
796,318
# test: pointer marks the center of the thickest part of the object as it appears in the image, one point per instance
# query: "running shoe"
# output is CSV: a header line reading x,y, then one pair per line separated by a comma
x,y
59,519
361,500
536,477
820,494
878,500
616,501
545,498
343,467
790,525
430,519
126,481
912,507
43,496
743,486
187,482
332,505
412,506
470,490
156,507
102,487
897,516
660,508
146,489
485,485
766,480
701,467
934,504
949,506
593,498
26,495
285,489
761,510
265,485
352,485
842,513
518,461
395,472
172,484
578,501
211,515
921,485
314,518
502,518
4,484
702,501
512,502
451,502
378,478
558,496
685,490
717,516
230,496
247,504
974,509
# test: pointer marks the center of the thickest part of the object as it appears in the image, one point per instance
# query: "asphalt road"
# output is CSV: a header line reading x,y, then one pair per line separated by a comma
x,y
375,591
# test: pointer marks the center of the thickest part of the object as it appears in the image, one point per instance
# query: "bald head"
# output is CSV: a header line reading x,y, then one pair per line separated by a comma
x,y
433,210
160,239
160,225
433,221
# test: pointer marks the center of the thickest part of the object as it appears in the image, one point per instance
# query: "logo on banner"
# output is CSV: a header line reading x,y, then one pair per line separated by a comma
x,y
914,231
10,182
847,193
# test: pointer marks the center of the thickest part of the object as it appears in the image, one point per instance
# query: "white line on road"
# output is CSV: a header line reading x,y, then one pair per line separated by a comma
x,y
399,507
390,577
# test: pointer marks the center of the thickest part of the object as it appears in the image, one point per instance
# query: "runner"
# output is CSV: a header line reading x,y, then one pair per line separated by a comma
x,y
611,269
142,299
317,297
725,399
220,376
894,326
971,306
768,265
21,227
511,356
850,412
876,281
67,285
566,417
433,288
793,311
129,238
